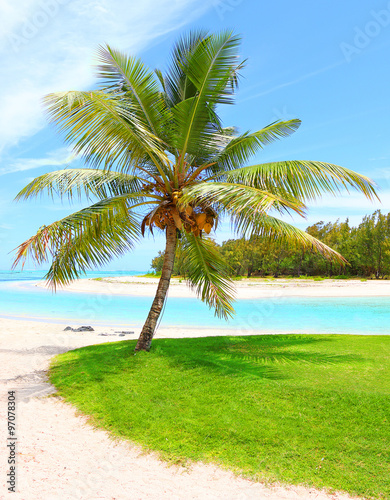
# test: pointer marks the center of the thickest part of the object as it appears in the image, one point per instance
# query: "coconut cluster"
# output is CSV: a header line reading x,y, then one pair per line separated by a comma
x,y
190,219
198,221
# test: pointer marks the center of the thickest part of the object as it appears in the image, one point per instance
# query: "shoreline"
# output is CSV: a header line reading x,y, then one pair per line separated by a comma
x,y
110,333
57,328
249,289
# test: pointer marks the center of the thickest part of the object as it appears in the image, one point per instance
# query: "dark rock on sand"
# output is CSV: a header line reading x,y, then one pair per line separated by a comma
x,y
79,329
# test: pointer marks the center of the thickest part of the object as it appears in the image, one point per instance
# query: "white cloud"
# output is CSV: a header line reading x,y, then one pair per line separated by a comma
x,y
49,45
57,158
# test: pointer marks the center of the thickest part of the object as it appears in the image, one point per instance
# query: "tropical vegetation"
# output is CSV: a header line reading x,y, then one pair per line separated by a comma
x,y
366,248
159,159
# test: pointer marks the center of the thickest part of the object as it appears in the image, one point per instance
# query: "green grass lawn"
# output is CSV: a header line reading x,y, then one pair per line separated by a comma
x,y
301,409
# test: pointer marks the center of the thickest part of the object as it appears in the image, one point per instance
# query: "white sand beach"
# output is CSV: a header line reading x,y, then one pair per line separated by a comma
x,y
61,456
245,289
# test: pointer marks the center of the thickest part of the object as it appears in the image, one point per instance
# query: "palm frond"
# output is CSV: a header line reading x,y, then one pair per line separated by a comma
x,y
239,149
178,86
104,129
236,198
81,181
210,69
247,224
129,77
305,180
161,79
87,238
208,274
79,256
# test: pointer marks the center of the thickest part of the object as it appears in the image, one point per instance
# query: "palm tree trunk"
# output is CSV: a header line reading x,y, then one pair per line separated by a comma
x,y
147,333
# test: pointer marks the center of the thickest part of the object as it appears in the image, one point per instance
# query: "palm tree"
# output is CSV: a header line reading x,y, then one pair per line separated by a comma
x,y
158,158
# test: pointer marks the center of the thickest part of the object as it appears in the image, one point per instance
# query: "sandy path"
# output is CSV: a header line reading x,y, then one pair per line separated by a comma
x,y
61,457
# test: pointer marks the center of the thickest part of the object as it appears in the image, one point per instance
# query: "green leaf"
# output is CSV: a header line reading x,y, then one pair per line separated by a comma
x,y
81,181
208,274
104,129
236,198
241,148
87,238
129,77
247,224
178,86
210,69
305,180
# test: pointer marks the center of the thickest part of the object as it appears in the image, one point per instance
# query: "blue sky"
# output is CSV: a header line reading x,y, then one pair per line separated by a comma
x,y
325,62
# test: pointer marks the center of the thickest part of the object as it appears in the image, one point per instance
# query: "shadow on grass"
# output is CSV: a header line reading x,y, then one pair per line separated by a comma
x,y
254,356
260,356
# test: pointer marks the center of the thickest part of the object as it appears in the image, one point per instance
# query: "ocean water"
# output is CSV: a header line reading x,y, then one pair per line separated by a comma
x,y
36,275
19,297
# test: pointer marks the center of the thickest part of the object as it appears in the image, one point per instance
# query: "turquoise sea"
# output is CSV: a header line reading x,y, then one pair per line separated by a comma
x,y
19,297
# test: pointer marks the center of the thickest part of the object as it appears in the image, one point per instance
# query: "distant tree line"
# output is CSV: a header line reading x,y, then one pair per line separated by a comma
x,y
366,248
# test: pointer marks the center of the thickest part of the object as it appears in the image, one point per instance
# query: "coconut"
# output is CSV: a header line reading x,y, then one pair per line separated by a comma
x,y
207,227
201,220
